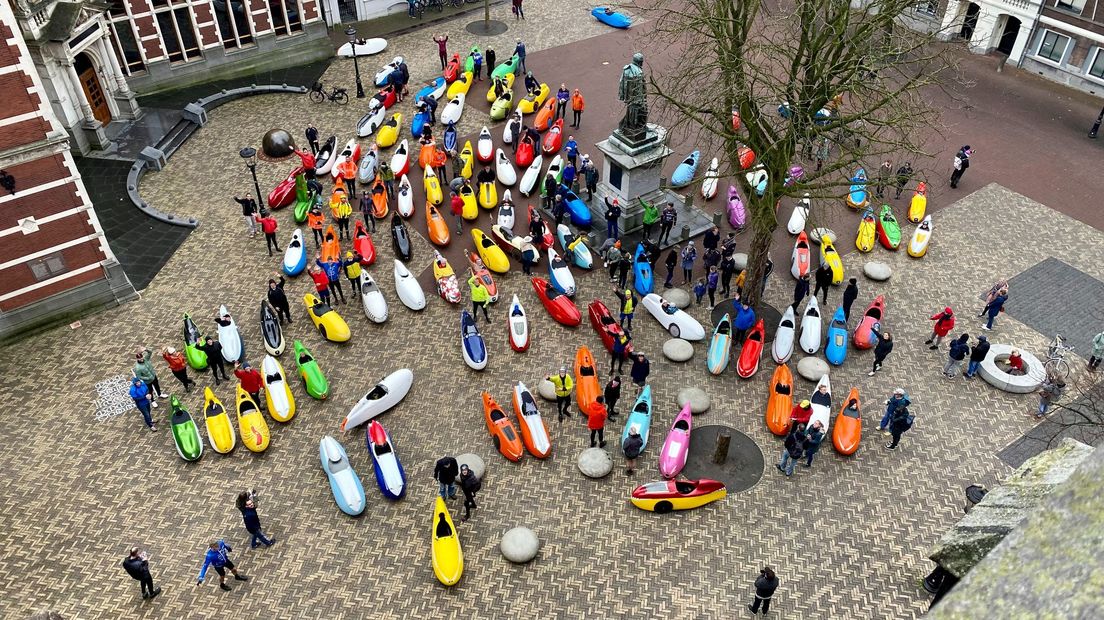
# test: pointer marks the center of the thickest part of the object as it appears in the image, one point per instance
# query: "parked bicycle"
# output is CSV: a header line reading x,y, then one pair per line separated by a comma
x,y
1055,364
420,6
318,94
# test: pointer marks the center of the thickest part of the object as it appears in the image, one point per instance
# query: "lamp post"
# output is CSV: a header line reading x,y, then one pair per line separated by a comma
x,y
1096,126
249,154
351,33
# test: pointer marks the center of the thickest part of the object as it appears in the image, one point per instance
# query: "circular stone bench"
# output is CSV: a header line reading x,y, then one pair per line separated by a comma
x,y
878,271
812,368
741,261
996,376
595,463
678,296
678,350
816,233
474,463
547,390
698,398
519,545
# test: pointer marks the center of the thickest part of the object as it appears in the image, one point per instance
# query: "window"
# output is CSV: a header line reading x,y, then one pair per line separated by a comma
x,y
233,25
177,31
1053,46
1096,69
926,7
126,46
1073,6
285,16
48,266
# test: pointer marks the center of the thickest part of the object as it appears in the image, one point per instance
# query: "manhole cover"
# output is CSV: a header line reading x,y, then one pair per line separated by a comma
x,y
740,472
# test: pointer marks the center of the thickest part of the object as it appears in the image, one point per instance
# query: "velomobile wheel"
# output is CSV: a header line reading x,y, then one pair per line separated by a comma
x,y
663,507
322,330
674,330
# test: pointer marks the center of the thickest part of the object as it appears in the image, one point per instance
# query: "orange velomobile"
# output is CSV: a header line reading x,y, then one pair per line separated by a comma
x,y
436,225
545,115
502,430
780,403
425,155
331,247
379,198
586,380
847,431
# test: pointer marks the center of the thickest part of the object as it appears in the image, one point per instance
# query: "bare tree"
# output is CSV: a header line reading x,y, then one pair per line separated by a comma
x,y
794,75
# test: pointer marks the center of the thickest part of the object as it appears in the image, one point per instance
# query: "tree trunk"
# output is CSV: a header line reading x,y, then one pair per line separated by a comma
x,y
487,12
757,263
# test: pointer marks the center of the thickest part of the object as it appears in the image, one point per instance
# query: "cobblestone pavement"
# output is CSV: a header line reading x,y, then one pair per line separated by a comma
x,y
848,537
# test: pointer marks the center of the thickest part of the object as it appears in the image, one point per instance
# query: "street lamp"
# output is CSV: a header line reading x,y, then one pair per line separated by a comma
x,y
351,33
249,154
1096,126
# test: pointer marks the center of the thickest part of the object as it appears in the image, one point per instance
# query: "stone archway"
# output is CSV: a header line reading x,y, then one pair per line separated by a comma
x,y
94,93
970,21
1007,41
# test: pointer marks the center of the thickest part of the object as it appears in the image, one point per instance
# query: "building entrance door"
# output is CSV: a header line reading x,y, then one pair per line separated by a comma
x,y
93,92
1008,37
970,22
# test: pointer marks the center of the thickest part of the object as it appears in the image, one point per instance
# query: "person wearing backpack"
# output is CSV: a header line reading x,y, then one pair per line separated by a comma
x,y
765,585
469,485
900,422
959,349
961,164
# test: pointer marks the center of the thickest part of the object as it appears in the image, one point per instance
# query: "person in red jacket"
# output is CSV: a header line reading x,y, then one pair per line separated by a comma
x,y
178,365
596,421
801,413
268,226
944,323
456,203
250,380
321,283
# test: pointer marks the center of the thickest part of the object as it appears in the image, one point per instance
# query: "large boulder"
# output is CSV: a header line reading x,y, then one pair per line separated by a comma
x,y
519,545
595,463
812,368
678,350
474,463
678,296
698,398
277,143
741,260
546,390
877,270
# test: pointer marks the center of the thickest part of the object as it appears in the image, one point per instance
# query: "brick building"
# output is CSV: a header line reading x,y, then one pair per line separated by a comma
x,y
54,259
1067,44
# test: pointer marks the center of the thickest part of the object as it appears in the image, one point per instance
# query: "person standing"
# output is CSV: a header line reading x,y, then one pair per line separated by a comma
x,y
140,394
899,398
278,298
885,173
689,255
312,138
670,262
1052,389
699,291
613,215
667,219
250,380
623,269
613,259
632,447
178,365
137,566
641,368
352,269
469,486
711,282
562,97
728,268
218,558
519,11
813,439
247,504
596,422
961,163
618,353
944,323
321,283
332,269
881,350
249,209
578,104
456,205
791,449
712,238
904,175
995,307
959,349
341,212
143,369
743,321
442,51
445,472
213,350
977,356
899,422
568,177
628,307
571,149
823,150
823,281
1097,351
801,289
612,392
520,51
268,227
489,59
765,585
801,413
562,384
850,294
477,65
315,221
649,218
479,297
590,173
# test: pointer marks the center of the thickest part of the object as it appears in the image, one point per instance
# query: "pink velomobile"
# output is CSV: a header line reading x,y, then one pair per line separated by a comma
x,y
677,445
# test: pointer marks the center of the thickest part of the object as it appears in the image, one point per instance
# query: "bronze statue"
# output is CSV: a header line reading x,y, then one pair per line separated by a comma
x,y
632,92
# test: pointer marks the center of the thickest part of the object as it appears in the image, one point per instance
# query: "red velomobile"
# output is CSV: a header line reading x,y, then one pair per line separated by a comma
x,y
553,140
606,326
452,69
362,243
526,151
873,317
557,304
748,364
284,193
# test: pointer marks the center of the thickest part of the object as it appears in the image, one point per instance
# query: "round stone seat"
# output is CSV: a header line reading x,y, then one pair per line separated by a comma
x,y
474,463
877,270
816,233
812,368
547,390
595,463
678,350
992,370
741,261
677,296
519,545
698,398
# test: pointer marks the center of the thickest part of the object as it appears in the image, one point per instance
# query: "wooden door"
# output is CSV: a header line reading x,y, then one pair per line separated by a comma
x,y
90,82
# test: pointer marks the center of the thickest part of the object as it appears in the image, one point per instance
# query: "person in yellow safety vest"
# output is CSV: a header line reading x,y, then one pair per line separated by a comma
x,y
480,298
342,211
563,384
628,305
352,270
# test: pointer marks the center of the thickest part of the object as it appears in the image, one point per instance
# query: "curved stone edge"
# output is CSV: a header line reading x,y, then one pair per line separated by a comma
x,y
196,114
1016,384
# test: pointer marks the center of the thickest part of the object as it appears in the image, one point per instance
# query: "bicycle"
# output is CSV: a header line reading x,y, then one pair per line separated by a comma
x,y
1055,364
421,5
318,94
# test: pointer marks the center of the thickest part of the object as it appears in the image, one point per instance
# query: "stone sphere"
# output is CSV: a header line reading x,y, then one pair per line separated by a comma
x,y
519,545
678,296
678,350
547,390
741,260
812,368
698,398
277,143
595,463
878,271
474,463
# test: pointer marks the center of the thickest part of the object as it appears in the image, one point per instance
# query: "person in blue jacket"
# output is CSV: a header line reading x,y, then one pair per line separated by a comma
x,y
140,393
745,319
571,149
520,51
218,558
569,176
993,308
333,274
